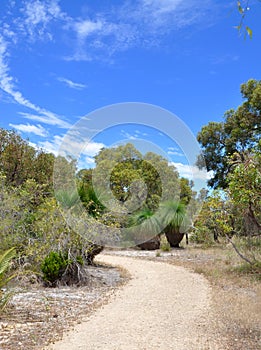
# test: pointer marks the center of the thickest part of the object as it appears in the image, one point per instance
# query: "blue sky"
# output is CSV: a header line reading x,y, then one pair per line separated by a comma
x,y
60,60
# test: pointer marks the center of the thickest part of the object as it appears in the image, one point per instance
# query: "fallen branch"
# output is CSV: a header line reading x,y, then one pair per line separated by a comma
x,y
238,252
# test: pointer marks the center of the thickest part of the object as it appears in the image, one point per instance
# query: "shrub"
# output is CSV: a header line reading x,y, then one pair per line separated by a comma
x,y
53,267
201,235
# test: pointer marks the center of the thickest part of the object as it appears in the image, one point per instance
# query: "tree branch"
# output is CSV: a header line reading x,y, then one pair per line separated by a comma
x,y
238,252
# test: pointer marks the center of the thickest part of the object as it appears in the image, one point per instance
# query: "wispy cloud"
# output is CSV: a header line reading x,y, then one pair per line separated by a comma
x,y
38,129
8,86
128,136
71,84
47,118
37,17
116,28
140,23
175,151
223,59
72,145
138,132
86,27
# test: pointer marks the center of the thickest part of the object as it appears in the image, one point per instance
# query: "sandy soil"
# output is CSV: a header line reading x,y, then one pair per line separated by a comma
x,y
162,307
38,316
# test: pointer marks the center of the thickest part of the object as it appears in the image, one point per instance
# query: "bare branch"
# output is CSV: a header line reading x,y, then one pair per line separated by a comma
x,y
238,252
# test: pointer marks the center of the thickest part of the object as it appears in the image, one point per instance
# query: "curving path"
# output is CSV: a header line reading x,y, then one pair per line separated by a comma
x,y
163,307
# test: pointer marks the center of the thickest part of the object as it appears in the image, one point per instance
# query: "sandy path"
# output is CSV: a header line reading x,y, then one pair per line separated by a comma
x,y
163,307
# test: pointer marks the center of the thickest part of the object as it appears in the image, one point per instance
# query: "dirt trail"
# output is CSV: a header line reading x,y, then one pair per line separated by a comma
x,y
162,307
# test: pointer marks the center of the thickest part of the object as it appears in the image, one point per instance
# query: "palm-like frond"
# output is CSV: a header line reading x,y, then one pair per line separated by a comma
x,y
5,259
173,213
174,217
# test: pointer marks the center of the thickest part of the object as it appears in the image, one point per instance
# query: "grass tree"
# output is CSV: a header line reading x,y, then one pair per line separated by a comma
x,y
148,228
174,217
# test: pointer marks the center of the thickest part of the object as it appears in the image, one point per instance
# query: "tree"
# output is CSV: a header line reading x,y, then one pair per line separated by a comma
x,y
245,192
174,216
238,134
134,180
186,192
148,226
214,220
16,157
19,161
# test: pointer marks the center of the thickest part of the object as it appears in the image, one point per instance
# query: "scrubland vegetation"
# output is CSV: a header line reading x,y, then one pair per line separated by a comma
x,y
37,243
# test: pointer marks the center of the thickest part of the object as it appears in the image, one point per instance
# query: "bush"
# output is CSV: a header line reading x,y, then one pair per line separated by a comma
x,y
53,267
201,235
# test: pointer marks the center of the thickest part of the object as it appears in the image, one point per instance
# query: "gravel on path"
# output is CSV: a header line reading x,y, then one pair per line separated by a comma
x,y
162,307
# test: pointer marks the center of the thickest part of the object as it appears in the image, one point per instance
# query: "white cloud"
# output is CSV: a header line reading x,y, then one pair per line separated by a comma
x,y
159,6
37,17
86,27
73,146
71,83
128,136
141,133
47,118
93,148
175,153
191,172
34,129
98,36
8,86
133,23
89,160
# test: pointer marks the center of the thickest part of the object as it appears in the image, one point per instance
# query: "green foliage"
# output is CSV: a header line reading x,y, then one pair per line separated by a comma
x,y
245,192
164,244
186,192
238,134
146,225
214,220
174,217
31,219
232,150
243,8
254,270
134,179
5,262
66,198
19,161
249,247
89,199
53,267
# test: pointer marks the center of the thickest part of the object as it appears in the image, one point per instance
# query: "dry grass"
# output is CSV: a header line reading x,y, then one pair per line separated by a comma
x,y
236,292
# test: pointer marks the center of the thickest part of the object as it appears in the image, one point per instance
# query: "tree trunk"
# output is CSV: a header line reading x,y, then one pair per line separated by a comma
x,y
174,237
251,226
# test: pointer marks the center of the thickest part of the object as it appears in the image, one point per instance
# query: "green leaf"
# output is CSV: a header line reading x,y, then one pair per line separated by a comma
x,y
240,8
249,32
5,259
